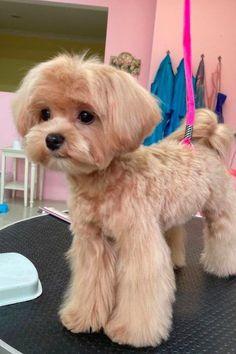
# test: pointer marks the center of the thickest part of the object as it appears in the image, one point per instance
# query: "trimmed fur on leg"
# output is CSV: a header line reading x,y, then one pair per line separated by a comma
x,y
90,297
145,283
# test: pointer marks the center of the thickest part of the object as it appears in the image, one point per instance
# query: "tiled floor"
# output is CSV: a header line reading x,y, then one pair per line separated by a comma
x,y
17,211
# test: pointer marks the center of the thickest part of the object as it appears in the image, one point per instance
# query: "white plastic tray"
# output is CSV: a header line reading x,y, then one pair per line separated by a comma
x,y
19,279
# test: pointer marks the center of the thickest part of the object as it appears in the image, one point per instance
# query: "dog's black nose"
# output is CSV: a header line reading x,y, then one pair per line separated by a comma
x,y
54,141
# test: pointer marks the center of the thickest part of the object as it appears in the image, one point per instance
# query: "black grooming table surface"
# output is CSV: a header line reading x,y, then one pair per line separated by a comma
x,y
204,311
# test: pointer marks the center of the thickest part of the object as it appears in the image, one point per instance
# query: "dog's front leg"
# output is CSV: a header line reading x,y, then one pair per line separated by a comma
x,y
145,285
90,296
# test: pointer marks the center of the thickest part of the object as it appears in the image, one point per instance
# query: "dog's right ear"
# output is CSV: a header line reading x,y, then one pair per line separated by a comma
x,y
20,105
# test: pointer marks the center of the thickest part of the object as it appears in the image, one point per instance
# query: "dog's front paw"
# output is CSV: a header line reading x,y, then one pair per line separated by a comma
x,y
124,334
72,320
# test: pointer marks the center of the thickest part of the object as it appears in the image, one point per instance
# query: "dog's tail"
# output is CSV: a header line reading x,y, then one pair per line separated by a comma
x,y
207,131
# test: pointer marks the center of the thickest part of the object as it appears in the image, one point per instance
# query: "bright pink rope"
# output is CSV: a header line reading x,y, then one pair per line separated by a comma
x,y
188,69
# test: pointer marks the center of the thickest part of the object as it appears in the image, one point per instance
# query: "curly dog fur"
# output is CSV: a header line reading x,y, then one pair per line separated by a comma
x,y
127,202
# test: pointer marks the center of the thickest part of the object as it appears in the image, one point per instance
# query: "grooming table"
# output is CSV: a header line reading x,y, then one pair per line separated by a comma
x,y
204,311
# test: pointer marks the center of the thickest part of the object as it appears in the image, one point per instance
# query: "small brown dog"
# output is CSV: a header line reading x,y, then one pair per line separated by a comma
x,y
126,202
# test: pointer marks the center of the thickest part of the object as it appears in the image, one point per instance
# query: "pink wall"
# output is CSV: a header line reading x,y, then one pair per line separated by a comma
x,y
7,129
130,28
8,132
213,33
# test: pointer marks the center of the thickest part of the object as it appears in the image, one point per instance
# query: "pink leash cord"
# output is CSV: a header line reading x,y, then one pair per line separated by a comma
x,y
190,103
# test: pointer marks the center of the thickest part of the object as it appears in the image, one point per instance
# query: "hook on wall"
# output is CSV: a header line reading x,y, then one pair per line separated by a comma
x,y
202,56
219,58
168,52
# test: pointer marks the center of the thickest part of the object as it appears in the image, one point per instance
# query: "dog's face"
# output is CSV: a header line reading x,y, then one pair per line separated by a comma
x,y
78,115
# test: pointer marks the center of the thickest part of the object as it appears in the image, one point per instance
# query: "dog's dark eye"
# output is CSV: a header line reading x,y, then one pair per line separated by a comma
x,y
45,114
86,117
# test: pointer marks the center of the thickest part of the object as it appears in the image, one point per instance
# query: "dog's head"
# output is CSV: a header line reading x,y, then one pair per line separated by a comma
x,y
77,115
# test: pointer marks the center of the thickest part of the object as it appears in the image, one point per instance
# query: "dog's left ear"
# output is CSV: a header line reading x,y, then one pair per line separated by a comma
x,y
132,111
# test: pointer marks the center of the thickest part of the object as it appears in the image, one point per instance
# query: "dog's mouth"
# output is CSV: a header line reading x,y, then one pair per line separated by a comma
x,y
58,155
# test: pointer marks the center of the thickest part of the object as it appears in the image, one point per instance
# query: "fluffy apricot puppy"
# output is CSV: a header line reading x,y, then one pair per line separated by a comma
x,y
126,202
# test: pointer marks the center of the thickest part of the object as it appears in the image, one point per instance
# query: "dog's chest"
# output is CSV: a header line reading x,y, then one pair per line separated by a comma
x,y
97,210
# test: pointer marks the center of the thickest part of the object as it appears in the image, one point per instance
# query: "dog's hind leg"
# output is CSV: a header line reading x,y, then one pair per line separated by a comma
x,y
175,238
90,297
219,254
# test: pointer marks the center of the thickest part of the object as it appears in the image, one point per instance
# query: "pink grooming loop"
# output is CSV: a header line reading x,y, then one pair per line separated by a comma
x,y
188,75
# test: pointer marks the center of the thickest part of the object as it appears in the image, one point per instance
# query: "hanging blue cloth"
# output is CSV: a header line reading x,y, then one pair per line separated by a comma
x,y
162,87
178,107
220,100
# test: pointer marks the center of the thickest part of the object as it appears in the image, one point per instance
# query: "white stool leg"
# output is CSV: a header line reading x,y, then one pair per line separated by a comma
x,y
26,182
32,183
36,182
14,176
3,178
41,182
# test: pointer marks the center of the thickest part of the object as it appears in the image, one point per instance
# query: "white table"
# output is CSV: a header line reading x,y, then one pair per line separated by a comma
x,y
24,186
